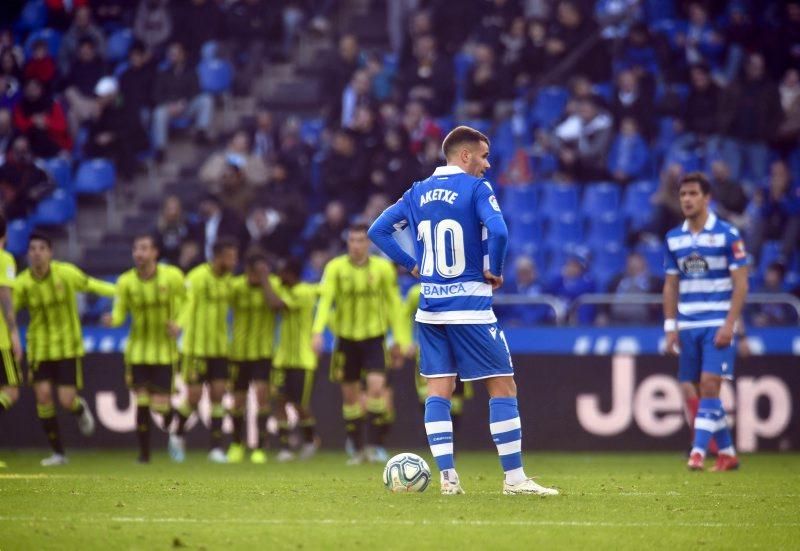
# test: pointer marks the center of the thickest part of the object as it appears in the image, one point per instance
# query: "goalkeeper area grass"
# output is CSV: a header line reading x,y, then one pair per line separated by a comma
x,y
104,500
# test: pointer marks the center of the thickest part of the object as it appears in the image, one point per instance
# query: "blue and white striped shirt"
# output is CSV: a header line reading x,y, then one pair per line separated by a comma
x,y
703,263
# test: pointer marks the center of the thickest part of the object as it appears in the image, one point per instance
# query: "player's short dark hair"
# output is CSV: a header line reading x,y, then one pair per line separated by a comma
x,y
697,178
3,225
154,241
254,256
358,227
461,135
40,236
224,242
292,266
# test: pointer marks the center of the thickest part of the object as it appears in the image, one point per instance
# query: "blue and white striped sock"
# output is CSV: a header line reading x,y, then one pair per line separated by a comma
x,y
506,429
439,428
706,424
723,434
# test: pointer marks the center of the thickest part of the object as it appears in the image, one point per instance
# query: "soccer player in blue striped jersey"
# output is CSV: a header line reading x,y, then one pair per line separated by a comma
x,y
454,215
704,292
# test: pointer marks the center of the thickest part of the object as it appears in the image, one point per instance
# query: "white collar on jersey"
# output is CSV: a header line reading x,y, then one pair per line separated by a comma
x,y
710,221
448,170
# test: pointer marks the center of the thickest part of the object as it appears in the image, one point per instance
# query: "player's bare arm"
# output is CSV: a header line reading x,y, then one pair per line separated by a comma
x,y
671,313
724,336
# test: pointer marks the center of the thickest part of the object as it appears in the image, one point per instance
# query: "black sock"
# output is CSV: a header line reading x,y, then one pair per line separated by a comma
x,y
216,431
456,421
183,417
283,436
353,428
374,429
143,431
50,426
238,426
168,416
307,428
262,429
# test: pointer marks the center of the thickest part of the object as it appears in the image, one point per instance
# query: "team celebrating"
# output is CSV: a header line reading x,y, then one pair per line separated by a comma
x,y
264,329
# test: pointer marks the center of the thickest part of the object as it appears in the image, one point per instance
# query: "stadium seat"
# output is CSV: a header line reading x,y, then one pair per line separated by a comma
x,y
52,37
608,227
600,198
33,16
60,171
55,210
608,261
548,106
636,205
653,253
216,75
17,235
564,230
526,226
311,131
770,252
559,198
118,45
95,176
519,199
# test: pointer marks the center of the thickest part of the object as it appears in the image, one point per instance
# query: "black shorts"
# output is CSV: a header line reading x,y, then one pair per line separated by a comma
x,y
351,360
295,385
10,373
203,370
66,372
156,378
243,372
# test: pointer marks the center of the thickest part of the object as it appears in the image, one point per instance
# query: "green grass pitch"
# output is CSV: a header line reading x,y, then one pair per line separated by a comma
x,y
103,500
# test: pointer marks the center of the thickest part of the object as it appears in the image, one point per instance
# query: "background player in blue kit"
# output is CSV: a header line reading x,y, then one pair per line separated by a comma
x,y
453,215
704,292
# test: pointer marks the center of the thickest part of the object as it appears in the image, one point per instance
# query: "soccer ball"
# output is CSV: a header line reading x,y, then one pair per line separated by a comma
x,y
406,472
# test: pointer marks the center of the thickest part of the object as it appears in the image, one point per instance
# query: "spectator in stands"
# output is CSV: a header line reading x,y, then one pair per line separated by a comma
x,y
177,94
329,235
756,104
584,139
135,83
376,204
8,43
573,281
381,76
216,221
635,280
251,24
394,167
638,55
60,12
115,132
357,93
111,14
6,132
345,171
536,60
569,29
526,283
85,72
486,86
784,42
152,25
206,19
773,314
233,188
295,152
337,72
419,126
42,120
369,136
82,28
789,129
700,42
496,16
778,213
631,101
173,230
730,200
428,78
668,213
514,43
253,167
629,158
10,78
431,156
265,139
22,183
41,65
704,116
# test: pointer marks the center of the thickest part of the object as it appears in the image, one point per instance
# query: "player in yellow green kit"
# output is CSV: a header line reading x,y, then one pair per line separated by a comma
x,y
360,301
205,342
253,301
152,294
463,391
48,289
295,359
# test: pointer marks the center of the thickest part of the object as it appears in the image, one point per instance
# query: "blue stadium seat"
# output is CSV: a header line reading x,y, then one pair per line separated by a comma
x,y
564,230
95,176
311,131
519,199
522,247
548,106
17,235
604,89
636,205
33,16
601,198
118,45
653,253
216,75
770,252
55,210
558,198
608,227
52,37
60,171
608,261
526,226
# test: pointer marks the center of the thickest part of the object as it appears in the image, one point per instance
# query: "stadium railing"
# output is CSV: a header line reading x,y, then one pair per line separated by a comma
x,y
556,304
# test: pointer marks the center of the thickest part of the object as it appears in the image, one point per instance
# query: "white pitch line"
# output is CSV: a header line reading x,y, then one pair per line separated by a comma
x,y
397,522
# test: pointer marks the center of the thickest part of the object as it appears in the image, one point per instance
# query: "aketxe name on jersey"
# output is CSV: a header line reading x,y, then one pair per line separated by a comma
x,y
703,263
445,195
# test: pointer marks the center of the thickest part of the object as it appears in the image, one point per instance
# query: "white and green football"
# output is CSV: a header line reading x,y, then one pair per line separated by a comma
x,y
406,472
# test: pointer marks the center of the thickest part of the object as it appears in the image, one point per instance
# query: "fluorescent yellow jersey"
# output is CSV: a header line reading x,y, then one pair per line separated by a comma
x,y
365,300
54,332
151,303
8,273
205,314
294,345
253,320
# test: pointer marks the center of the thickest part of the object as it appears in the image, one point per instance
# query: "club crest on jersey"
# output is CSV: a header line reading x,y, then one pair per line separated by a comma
x,y
438,194
493,332
694,265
